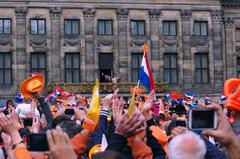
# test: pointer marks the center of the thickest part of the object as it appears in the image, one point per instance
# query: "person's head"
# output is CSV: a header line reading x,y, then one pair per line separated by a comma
x,y
71,128
107,155
9,104
60,119
188,146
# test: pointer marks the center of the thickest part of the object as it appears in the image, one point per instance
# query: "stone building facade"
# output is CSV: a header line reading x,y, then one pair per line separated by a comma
x,y
194,45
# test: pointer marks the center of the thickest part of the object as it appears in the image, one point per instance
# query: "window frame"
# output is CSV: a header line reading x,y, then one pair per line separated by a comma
x,y
45,32
105,32
71,20
105,68
201,68
168,23
200,22
238,66
72,69
137,22
139,55
6,69
170,69
3,33
38,61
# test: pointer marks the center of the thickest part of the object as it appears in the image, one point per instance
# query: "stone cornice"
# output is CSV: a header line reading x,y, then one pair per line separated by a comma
x,y
231,3
21,11
122,13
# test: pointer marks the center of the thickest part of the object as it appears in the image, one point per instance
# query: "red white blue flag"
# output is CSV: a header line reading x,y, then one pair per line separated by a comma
x,y
146,77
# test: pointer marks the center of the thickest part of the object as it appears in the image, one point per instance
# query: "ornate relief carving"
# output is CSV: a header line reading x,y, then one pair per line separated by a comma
x,y
154,13
122,13
105,43
55,12
237,49
6,40
89,13
21,11
138,42
229,21
38,42
199,40
170,42
217,14
71,42
186,14
40,49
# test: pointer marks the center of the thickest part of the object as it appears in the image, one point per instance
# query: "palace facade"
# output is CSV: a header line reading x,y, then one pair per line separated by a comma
x,y
194,45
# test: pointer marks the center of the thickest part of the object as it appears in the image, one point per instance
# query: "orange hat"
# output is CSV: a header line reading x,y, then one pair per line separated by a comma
x,y
31,85
232,92
94,149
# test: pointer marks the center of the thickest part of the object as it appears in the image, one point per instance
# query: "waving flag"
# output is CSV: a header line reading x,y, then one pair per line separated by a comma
x,y
146,77
208,100
19,98
94,109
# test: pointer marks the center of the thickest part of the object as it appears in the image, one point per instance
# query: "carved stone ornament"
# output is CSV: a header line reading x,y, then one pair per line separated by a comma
x,y
71,42
38,42
89,13
138,42
199,40
122,13
40,49
170,42
6,40
228,21
154,13
217,14
237,49
21,11
55,12
105,43
186,14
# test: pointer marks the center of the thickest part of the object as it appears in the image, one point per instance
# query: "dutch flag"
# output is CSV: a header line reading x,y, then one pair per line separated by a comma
x,y
145,72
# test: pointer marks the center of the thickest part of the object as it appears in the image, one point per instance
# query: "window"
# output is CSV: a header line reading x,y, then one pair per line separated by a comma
x,y
104,27
237,34
71,27
5,69
169,28
200,28
170,68
38,63
238,67
136,64
38,26
5,26
201,68
105,61
72,67
137,27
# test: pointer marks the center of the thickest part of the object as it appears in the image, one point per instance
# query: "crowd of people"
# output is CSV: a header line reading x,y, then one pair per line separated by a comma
x,y
75,127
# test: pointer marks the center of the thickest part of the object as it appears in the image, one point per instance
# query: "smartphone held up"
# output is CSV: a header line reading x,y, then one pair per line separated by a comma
x,y
202,119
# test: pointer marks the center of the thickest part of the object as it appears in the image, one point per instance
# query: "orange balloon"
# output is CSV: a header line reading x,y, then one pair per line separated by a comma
x,y
232,92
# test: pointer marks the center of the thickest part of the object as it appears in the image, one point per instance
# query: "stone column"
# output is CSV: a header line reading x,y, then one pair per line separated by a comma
x,y
217,50
54,53
21,44
186,49
154,15
229,47
122,16
89,44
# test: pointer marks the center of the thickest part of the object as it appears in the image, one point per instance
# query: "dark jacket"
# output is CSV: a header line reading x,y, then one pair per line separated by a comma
x,y
46,111
212,151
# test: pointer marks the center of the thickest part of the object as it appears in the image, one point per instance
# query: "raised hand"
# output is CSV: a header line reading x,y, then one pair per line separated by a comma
x,y
59,145
36,126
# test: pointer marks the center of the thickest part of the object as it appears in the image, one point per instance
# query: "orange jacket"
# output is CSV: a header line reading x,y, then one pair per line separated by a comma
x,y
21,152
141,151
79,143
